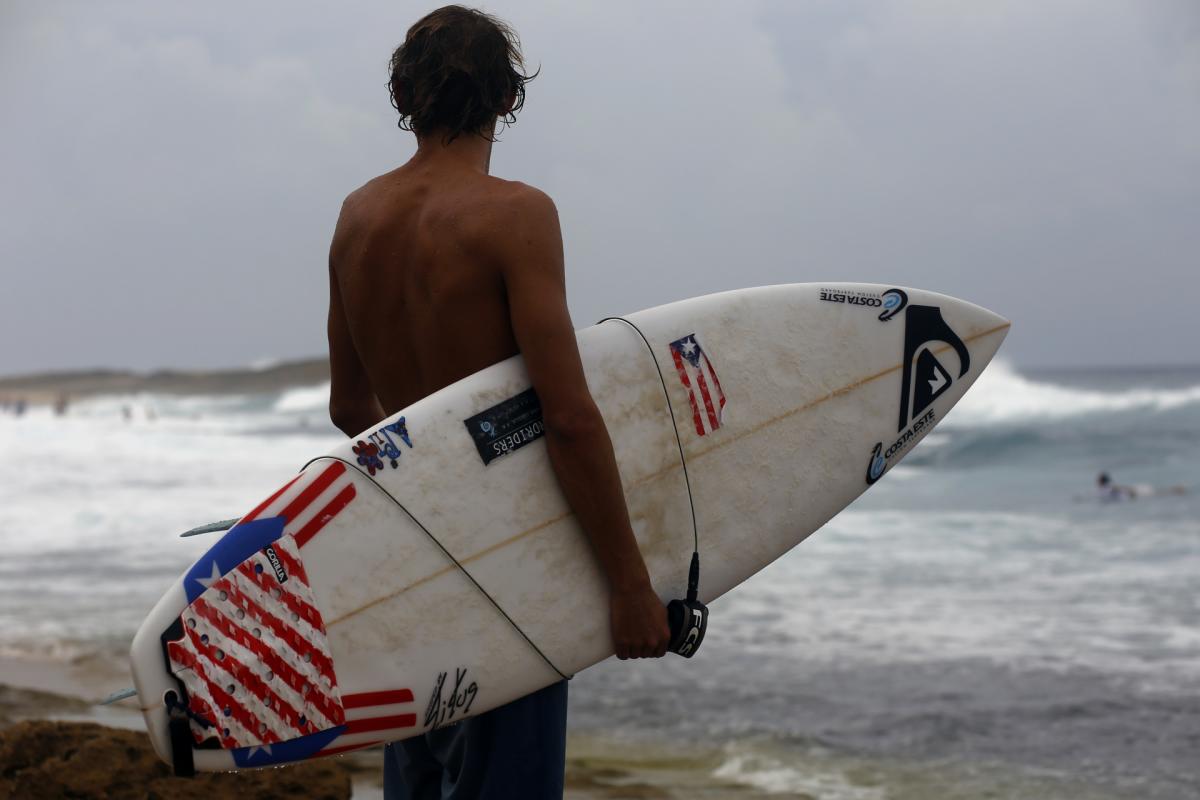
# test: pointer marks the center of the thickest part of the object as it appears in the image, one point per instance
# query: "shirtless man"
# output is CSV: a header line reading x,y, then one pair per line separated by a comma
x,y
438,270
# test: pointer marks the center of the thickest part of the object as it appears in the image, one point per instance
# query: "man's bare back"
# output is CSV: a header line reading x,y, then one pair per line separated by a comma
x,y
415,250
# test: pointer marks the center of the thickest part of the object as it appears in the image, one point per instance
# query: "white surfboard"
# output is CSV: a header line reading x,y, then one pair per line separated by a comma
x,y
431,570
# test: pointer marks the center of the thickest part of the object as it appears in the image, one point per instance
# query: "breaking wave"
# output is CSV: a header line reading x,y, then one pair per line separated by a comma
x,y
1003,395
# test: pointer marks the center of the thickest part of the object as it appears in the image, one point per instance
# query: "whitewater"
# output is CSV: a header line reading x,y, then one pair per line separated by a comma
x,y
977,621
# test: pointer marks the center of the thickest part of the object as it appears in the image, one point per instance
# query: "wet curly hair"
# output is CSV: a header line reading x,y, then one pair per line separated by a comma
x,y
457,71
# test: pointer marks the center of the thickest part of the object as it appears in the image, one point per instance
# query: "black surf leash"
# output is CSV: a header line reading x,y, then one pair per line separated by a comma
x,y
688,619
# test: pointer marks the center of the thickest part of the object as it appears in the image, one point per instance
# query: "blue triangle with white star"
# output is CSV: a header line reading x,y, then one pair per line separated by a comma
x,y
291,750
238,544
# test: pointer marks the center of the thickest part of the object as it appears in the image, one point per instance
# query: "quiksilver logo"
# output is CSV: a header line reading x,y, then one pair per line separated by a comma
x,y
919,387
276,564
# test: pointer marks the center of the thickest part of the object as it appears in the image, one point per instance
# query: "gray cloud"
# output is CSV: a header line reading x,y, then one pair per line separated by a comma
x,y
173,172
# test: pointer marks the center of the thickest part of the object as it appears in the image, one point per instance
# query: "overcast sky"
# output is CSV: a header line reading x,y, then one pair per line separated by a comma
x,y
171,172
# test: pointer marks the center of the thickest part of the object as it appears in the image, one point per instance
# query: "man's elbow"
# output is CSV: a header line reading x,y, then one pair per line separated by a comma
x,y
344,418
570,425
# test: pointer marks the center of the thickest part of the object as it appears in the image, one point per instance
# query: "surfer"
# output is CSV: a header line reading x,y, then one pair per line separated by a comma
x,y
437,270
1109,492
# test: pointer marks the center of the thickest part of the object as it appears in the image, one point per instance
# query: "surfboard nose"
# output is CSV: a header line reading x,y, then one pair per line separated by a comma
x,y
983,330
985,318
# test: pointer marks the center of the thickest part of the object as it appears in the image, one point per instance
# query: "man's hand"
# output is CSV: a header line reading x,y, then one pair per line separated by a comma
x,y
639,623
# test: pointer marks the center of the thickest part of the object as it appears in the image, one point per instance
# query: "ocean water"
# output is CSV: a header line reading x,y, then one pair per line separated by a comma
x,y
977,625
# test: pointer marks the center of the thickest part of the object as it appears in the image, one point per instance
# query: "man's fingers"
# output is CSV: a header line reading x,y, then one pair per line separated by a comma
x,y
632,650
646,649
640,628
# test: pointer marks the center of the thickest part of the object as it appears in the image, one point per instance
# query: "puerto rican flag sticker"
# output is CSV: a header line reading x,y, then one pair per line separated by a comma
x,y
699,377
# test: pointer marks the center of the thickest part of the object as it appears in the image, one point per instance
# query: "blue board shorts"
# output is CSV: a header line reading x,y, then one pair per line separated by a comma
x,y
514,751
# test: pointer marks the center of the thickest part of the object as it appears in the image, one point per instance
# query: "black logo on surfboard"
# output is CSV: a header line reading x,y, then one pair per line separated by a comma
x,y
276,563
881,458
894,301
928,380
507,427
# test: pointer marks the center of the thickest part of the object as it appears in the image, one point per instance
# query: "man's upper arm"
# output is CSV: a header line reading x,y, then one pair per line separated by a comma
x,y
351,396
534,277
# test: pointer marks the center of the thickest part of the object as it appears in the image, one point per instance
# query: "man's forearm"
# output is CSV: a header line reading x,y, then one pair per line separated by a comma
x,y
586,468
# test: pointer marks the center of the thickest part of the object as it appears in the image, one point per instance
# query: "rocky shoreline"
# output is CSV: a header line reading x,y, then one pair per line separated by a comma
x,y
51,760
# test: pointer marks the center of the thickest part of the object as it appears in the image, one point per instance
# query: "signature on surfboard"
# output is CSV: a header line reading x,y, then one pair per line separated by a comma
x,y
443,711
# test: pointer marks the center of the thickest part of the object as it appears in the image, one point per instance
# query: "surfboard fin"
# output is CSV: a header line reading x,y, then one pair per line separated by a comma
x,y
121,694
211,527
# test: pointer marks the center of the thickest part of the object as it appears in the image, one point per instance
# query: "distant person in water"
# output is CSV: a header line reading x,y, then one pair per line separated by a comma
x,y
1109,492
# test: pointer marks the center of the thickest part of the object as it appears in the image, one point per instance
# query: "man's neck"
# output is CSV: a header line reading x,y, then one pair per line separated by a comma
x,y
469,151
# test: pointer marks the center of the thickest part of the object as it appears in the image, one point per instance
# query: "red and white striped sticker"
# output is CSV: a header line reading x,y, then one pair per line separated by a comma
x,y
254,656
373,718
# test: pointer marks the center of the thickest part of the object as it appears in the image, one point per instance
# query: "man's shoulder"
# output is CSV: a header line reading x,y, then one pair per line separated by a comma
x,y
356,208
504,212
514,198
365,209
365,196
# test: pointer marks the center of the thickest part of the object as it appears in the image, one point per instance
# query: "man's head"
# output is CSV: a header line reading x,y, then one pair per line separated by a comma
x,y
457,71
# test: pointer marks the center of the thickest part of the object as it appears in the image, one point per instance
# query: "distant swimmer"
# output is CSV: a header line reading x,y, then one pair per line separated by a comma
x,y
1109,492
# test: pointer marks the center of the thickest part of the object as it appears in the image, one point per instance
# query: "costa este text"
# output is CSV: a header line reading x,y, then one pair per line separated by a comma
x,y
851,299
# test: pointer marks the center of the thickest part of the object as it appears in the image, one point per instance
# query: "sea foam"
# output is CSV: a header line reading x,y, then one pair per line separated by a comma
x,y
1003,395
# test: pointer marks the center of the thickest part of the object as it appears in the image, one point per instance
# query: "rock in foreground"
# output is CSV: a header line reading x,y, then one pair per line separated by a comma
x,y
52,760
